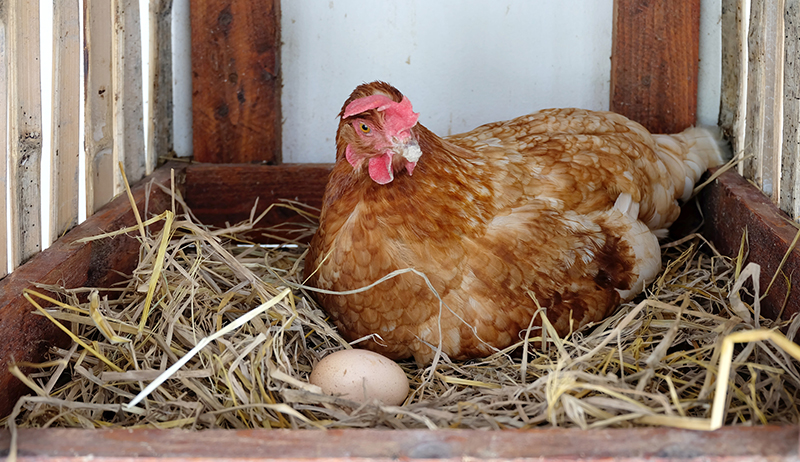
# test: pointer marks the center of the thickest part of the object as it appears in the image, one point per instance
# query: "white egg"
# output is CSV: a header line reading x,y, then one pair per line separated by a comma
x,y
362,376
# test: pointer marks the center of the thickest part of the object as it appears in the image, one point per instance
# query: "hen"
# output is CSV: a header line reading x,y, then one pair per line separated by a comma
x,y
562,208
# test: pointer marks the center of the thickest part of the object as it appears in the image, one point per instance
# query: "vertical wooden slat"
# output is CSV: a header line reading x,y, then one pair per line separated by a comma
x,y
126,81
101,161
236,81
160,131
654,62
790,175
764,89
25,123
734,80
64,164
3,139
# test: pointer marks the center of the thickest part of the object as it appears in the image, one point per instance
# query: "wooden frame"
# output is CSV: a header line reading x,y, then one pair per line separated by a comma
x,y
211,189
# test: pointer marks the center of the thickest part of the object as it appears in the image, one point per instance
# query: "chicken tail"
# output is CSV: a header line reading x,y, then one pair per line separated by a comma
x,y
690,153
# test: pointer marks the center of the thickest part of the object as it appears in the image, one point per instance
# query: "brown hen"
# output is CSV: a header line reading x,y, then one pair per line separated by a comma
x,y
562,207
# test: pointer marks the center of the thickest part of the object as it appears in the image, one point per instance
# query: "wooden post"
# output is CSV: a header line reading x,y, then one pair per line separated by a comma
x,y
64,166
654,62
236,106
25,122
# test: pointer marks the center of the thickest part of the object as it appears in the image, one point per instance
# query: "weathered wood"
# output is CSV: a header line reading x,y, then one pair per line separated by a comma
x,y
26,337
790,170
764,77
731,114
732,443
236,104
64,163
654,62
102,182
731,205
25,126
159,121
226,193
4,89
126,81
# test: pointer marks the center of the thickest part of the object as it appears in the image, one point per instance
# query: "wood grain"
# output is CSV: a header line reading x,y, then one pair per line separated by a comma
x,y
160,119
236,82
731,114
762,138
25,130
733,206
654,62
226,193
661,444
4,90
67,97
790,170
27,337
126,82
101,160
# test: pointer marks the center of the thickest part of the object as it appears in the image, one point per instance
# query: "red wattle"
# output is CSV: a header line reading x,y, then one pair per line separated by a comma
x,y
380,168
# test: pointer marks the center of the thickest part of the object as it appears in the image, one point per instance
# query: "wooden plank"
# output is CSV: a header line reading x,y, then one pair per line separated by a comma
x,y
64,163
26,337
654,62
101,160
662,444
220,194
732,206
4,154
25,122
790,170
126,81
236,104
159,120
731,115
764,77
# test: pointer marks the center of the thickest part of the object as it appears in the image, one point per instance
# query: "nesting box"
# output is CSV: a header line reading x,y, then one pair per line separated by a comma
x,y
655,42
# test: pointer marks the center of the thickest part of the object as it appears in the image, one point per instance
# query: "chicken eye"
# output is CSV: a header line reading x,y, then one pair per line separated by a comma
x,y
364,128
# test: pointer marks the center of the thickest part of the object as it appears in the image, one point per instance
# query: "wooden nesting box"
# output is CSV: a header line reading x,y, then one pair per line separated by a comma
x,y
654,81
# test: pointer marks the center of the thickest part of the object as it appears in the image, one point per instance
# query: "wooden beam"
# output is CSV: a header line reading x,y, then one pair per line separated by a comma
x,y
25,127
236,104
654,62
552,444
68,263
226,193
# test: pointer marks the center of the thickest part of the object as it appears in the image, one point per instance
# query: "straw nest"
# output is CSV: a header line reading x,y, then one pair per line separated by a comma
x,y
220,331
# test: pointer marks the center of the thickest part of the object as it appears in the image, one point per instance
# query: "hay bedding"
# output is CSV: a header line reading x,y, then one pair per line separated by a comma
x,y
654,362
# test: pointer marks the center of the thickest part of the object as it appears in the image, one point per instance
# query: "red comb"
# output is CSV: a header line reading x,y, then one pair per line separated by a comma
x,y
379,102
399,116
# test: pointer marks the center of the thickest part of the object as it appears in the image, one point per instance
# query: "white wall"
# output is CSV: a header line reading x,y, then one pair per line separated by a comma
x,y
460,62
